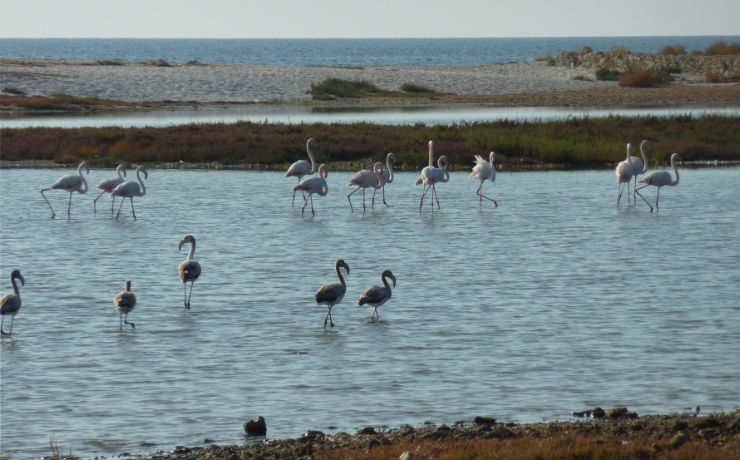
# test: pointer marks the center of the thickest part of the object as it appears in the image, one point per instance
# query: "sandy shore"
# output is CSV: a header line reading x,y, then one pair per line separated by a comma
x,y
495,83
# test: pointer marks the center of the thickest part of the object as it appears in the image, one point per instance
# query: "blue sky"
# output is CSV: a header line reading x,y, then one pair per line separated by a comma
x,y
375,18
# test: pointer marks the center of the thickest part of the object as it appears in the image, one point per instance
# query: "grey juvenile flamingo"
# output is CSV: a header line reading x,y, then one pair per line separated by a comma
x,y
378,295
125,301
189,269
333,293
11,303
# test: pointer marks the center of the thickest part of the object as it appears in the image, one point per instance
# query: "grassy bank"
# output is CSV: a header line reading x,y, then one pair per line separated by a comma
x,y
574,143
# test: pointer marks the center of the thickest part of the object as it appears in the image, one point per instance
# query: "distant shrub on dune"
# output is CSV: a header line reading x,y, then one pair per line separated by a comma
x,y
722,48
673,50
333,88
716,77
414,88
607,75
620,51
644,79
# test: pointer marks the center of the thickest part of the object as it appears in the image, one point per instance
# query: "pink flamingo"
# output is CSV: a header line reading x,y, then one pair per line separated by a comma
x,y
131,189
624,175
313,185
639,165
302,167
431,175
107,185
364,179
71,183
386,176
659,179
484,170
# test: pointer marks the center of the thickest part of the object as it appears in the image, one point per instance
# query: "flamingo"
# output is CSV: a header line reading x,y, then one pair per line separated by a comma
x,y
313,185
639,165
659,179
107,185
377,295
386,176
131,189
70,183
302,167
624,175
484,170
364,179
125,301
333,293
189,269
431,175
11,303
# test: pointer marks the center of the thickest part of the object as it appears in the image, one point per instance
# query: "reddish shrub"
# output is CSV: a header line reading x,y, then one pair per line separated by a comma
x,y
715,77
644,79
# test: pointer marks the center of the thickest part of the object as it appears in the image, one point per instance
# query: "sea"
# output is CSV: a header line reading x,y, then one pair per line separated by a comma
x,y
557,300
336,52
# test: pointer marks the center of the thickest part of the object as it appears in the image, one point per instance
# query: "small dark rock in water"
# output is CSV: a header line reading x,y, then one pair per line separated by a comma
x,y
483,421
367,430
620,413
256,427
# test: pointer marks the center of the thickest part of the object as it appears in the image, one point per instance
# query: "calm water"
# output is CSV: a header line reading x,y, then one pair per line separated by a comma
x,y
399,115
555,301
304,52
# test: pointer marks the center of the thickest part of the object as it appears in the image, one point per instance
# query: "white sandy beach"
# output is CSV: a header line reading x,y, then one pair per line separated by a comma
x,y
141,82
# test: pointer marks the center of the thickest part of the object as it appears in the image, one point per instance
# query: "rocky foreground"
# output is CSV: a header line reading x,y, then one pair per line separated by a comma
x,y
614,434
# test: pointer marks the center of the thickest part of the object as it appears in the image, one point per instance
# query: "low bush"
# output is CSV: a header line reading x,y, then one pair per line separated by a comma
x,y
607,75
673,50
644,79
716,77
414,88
723,48
11,90
333,88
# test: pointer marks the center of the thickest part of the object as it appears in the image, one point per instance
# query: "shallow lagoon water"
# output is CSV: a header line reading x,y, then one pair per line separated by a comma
x,y
555,301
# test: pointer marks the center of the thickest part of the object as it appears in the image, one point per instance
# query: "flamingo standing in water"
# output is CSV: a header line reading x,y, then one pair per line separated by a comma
x,y
11,303
313,185
364,179
131,189
189,269
484,170
386,176
302,167
624,175
71,183
659,179
431,175
639,165
378,295
333,293
107,185
125,301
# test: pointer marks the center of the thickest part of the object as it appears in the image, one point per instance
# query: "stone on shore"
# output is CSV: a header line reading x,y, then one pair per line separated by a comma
x,y
256,427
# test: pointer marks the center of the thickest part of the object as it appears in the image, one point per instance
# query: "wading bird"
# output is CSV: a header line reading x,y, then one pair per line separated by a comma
x,y
386,176
11,303
125,301
302,167
431,175
624,176
378,295
333,293
107,185
313,185
639,165
484,170
659,179
131,189
364,179
71,183
189,269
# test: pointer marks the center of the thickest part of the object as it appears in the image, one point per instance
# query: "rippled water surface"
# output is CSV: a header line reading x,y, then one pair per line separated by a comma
x,y
554,301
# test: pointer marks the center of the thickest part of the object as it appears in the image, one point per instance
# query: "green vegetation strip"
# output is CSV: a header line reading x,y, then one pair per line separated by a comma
x,y
568,144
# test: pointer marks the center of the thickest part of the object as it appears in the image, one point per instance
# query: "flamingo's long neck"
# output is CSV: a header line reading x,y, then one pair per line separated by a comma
x,y
128,286
191,253
443,166
141,182
83,189
644,158
491,157
431,153
387,284
339,275
675,170
629,147
310,156
15,286
390,169
120,172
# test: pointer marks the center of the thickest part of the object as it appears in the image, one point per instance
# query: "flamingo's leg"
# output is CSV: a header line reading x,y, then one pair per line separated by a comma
x,y
69,207
644,199
119,208
132,206
95,202
350,194
47,202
